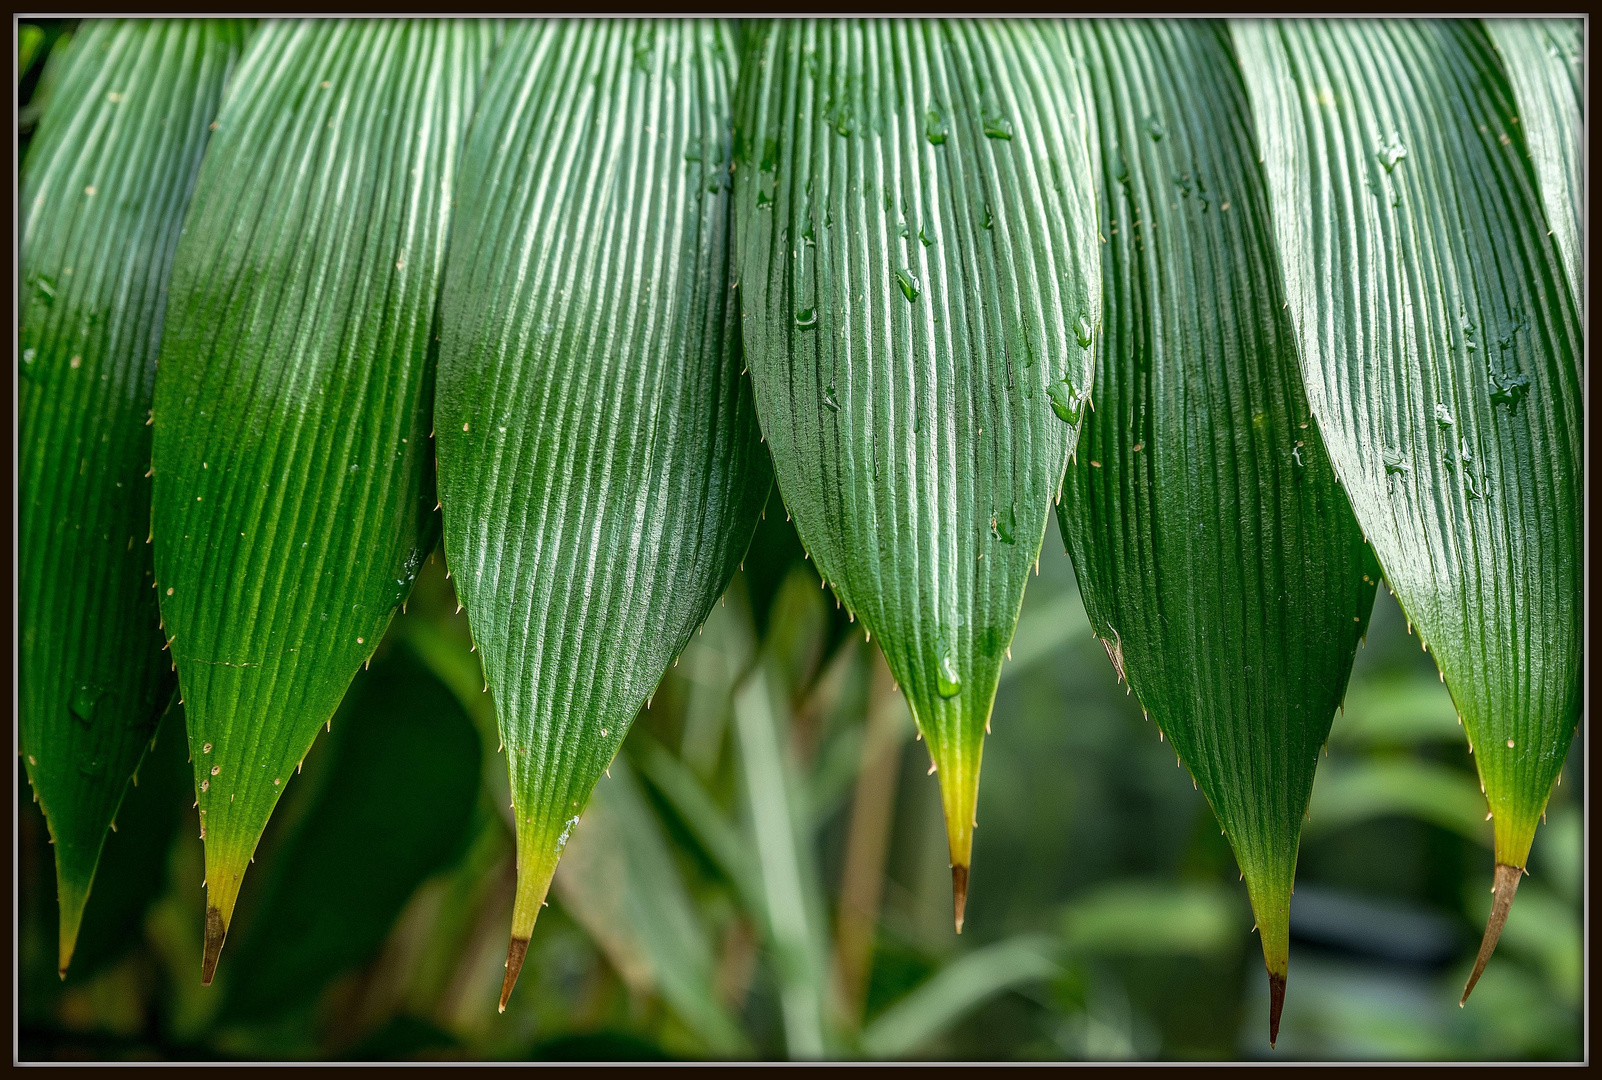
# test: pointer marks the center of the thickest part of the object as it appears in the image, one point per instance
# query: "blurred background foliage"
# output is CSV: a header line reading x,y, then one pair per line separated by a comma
x,y
764,872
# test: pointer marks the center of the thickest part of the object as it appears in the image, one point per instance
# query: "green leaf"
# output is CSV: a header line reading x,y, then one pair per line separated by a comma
x,y
30,38
955,990
103,200
618,881
393,807
293,473
920,288
1544,59
1220,564
1440,349
599,456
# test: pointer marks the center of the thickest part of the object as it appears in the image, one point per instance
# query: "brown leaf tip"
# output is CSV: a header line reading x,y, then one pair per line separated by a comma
x,y
514,965
1502,890
215,933
1276,1005
959,891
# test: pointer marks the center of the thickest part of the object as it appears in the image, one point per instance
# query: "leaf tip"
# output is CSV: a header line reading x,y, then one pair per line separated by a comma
x,y
1505,885
216,932
514,965
959,891
1276,1005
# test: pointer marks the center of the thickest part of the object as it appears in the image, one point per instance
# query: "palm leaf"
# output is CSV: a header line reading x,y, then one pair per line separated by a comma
x,y
293,489
919,290
1219,562
1543,58
1440,348
599,461
103,200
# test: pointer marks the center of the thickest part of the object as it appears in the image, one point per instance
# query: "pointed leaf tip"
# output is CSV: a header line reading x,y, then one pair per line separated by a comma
x,y
1506,884
514,965
1276,1005
216,933
959,891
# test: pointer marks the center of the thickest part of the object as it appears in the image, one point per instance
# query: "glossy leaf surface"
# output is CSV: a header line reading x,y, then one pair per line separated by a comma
x,y
1544,59
293,470
1219,561
599,457
103,197
919,292
1441,352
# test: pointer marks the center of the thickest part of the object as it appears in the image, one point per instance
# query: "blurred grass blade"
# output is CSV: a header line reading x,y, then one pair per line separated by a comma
x,y
1441,353
618,881
955,990
920,287
1220,564
1153,918
293,473
30,42
392,809
102,204
792,912
1349,793
717,837
599,455
1544,59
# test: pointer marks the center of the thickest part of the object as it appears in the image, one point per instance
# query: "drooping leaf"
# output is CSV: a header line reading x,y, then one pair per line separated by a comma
x,y
103,200
392,808
1440,349
293,473
1219,562
917,252
1544,59
599,459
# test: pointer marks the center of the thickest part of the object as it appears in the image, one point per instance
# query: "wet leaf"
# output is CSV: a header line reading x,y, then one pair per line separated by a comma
x,y
102,202
599,456
1219,562
907,389
293,471
1440,349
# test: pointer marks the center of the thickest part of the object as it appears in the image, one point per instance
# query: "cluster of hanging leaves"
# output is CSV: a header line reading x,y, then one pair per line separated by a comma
x,y
1264,309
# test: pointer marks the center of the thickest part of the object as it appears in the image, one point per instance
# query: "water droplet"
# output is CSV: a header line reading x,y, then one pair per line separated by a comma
x,y
1082,331
1004,526
770,155
1120,166
1391,152
948,681
935,127
928,241
1510,390
1443,415
908,283
998,127
1394,463
1065,401
988,221
763,200
44,289
85,699
1154,128
806,318
829,398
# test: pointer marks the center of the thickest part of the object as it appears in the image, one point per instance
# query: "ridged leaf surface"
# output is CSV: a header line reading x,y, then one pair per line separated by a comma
x,y
103,200
599,458
919,289
1219,561
1544,59
1441,351
293,468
